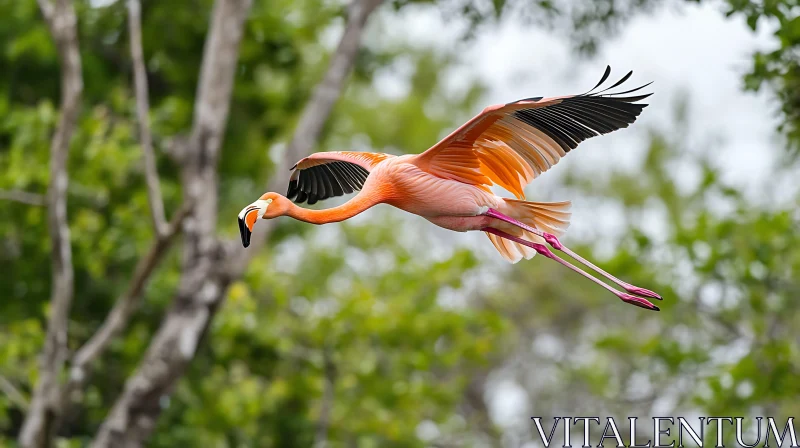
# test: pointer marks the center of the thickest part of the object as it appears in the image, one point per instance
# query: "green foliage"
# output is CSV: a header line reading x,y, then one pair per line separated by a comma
x,y
779,68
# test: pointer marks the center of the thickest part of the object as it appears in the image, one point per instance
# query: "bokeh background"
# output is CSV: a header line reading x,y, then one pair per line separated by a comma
x,y
385,331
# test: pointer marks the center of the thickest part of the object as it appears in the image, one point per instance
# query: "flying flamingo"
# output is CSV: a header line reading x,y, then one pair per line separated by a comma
x,y
508,145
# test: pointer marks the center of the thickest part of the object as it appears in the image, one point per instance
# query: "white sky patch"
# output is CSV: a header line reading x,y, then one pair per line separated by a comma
x,y
101,3
507,404
427,430
394,81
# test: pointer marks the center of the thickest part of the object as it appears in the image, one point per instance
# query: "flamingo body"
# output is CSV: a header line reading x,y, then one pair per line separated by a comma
x,y
450,184
422,193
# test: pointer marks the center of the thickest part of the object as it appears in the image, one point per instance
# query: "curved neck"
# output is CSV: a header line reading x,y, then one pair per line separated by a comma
x,y
358,204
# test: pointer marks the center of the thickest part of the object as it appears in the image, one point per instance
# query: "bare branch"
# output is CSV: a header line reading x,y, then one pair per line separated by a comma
x,y
316,113
45,404
142,111
46,6
23,197
13,393
120,314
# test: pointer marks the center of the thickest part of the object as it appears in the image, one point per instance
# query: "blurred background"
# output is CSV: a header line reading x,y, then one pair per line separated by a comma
x,y
385,330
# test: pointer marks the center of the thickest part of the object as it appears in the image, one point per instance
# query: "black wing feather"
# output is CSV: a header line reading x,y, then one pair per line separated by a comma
x,y
575,119
335,178
327,186
341,176
337,189
293,189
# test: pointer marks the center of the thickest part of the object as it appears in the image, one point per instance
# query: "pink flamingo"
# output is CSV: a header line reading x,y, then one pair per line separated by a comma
x,y
449,184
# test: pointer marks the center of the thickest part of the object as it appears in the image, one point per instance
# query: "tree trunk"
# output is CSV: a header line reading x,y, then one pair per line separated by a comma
x,y
45,407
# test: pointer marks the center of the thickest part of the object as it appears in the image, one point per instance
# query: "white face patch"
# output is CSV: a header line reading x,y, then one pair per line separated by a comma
x,y
260,204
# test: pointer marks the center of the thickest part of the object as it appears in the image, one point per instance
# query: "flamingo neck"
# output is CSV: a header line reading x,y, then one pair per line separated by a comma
x,y
358,204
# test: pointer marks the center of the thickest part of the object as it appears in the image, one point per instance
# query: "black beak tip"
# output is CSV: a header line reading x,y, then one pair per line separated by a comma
x,y
244,232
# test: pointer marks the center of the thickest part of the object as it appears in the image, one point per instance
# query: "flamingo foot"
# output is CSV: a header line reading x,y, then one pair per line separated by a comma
x,y
543,250
637,301
556,244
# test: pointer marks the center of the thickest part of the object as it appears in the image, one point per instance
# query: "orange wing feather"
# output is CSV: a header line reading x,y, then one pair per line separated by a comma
x,y
511,144
366,160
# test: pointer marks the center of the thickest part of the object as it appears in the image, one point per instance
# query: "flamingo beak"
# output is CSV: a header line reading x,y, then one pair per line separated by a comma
x,y
247,219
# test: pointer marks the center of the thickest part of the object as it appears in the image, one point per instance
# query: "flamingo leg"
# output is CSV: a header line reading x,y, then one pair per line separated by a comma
x,y
556,244
544,250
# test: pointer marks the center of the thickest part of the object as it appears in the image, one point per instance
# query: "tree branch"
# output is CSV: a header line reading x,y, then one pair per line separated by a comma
x,y
120,314
142,113
23,197
13,393
48,12
44,409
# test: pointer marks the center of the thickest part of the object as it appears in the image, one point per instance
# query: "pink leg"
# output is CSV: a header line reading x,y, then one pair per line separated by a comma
x,y
556,244
542,249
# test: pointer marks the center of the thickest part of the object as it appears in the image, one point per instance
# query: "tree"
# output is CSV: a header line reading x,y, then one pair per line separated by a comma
x,y
46,401
777,69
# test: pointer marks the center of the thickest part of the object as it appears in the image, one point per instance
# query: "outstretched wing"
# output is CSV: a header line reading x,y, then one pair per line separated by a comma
x,y
511,144
327,174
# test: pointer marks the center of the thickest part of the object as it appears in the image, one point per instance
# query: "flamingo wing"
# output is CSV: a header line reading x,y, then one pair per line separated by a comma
x,y
511,144
328,174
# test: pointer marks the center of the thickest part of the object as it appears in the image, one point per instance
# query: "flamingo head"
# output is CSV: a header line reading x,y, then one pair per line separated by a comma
x,y
268,206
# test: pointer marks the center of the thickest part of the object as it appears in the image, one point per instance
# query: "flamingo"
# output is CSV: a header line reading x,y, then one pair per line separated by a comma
x,y
507,145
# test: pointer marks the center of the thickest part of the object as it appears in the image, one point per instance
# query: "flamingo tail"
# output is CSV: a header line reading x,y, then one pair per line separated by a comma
x,y
550,217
